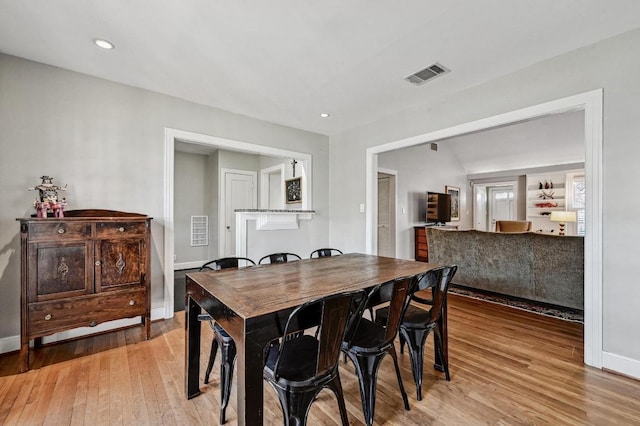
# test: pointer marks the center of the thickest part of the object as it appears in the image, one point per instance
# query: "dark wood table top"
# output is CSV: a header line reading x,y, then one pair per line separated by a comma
x,y
263,289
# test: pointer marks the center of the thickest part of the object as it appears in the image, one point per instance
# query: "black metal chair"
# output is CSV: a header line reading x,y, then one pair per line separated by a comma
x,y
278,258
227,262
418,322
222,339
298,369
324,252
367,342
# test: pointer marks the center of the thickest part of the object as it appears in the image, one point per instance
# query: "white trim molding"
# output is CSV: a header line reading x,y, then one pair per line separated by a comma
x,y
591,104
620,364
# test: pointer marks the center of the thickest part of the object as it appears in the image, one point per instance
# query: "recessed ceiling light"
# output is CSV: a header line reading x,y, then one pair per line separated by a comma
x,y
324,115
103,44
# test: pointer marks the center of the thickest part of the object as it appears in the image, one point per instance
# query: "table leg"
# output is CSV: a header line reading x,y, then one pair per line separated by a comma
x,y
250,382
192,348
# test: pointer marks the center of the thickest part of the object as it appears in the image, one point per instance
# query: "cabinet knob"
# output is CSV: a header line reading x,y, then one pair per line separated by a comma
x,y
121,229
47,317
132,302
60,230
97,263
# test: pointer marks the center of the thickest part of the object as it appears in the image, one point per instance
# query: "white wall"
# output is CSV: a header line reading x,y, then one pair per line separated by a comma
x,y
608,65
420,170
191,198
106,141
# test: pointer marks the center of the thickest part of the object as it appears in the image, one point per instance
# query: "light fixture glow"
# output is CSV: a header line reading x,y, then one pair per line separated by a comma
x,y
103,44
324,115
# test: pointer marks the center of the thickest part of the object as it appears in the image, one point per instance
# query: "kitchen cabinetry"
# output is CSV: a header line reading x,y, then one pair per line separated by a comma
x,y
87,268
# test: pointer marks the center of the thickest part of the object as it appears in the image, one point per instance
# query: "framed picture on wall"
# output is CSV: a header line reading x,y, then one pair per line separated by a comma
x,y
293,190
454,191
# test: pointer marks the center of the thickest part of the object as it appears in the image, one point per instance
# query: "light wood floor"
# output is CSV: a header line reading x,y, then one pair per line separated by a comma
x,y
507,367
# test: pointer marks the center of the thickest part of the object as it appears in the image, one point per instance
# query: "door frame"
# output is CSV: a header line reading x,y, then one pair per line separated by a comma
x,y
490,202
592,104
170,137
222,202
394,230
485,186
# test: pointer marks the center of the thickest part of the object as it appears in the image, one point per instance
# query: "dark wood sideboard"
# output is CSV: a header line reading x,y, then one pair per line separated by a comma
x,y
421,245
87,268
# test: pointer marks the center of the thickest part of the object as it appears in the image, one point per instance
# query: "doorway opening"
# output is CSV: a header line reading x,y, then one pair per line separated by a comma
x,y
591,103
493,201
173,136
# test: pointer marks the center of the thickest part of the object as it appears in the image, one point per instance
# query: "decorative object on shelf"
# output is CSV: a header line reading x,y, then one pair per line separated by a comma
x,y
47,201
563,217
546,195
293,190
547,204
454,191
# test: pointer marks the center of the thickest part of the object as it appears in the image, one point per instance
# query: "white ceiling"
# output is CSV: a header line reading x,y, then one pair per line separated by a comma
x,y
286,61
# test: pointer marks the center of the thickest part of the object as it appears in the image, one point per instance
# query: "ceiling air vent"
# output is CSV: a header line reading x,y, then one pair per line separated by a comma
x,y
424,75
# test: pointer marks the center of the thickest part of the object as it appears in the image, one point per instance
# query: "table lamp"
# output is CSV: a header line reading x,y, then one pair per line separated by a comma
x,y
563,217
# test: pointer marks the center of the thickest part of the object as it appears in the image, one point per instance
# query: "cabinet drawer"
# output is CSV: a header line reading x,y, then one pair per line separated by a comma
x,y
86,311
120,229
59,231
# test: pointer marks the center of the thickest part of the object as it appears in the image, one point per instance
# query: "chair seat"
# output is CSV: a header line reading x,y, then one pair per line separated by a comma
x,y
414,316
368,338
297,363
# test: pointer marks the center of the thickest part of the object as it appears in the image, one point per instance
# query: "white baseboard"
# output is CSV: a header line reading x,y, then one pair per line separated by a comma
x,y
12,343
9,344
620,364
188,265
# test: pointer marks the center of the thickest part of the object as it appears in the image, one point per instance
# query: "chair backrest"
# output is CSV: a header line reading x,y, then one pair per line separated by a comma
x,y
440,291
324,252
426,281
226,263
279,258
396,293
513,225
329,317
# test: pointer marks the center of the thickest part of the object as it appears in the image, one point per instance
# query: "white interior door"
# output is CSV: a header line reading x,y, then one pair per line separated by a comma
x,y
239,193
386,215
480,213
501,204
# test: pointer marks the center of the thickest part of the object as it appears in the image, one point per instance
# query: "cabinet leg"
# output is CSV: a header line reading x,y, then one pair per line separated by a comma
x,y
24,357
147,327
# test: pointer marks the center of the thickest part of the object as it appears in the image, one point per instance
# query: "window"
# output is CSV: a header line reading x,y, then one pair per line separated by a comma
x,y
577,201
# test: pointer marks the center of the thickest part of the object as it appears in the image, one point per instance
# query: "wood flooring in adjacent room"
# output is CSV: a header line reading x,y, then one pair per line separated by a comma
x,y
507,367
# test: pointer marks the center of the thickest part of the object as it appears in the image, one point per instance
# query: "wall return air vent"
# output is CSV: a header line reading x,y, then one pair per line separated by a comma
x,y
426,74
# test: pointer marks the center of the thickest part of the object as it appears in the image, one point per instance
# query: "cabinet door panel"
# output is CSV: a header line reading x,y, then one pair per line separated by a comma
x,y
120,263
60,270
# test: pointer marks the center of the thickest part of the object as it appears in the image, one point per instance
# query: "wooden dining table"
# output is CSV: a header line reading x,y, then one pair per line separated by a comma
x,y
253,304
